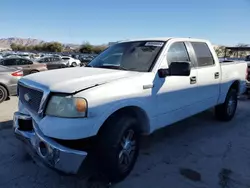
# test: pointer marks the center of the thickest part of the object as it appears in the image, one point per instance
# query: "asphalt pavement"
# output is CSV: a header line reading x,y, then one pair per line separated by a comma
x,y
197,152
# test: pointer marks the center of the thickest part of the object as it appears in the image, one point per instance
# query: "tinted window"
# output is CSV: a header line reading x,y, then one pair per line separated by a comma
x,y
203,54
56,59
177,53
46,60
23,62
65,58
248,58
9,62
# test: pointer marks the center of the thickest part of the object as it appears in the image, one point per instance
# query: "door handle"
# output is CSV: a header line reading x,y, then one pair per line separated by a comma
x,y
216,75
193,80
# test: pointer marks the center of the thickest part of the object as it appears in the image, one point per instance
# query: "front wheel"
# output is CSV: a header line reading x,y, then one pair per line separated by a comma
x,y
226,111
118,147
3,94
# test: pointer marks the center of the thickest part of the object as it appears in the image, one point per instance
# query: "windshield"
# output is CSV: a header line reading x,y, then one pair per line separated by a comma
x,y
132,56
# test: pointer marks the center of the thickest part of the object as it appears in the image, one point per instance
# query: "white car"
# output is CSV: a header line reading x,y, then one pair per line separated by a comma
x,y
102,109
71,61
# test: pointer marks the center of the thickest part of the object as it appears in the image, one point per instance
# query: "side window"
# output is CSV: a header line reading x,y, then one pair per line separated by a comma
x,y
9,62
23,62
46,60
65,58
177,52
248,58
56,59
203,54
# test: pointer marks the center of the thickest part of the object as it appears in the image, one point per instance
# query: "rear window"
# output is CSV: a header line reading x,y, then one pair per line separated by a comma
x,y
203,54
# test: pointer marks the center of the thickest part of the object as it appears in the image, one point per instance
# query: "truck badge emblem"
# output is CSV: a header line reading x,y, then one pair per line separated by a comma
x,y
27,97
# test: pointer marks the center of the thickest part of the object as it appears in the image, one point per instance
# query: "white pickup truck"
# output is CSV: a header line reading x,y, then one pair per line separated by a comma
x,y
64,115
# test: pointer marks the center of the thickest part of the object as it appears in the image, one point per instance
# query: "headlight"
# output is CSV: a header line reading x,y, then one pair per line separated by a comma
x,y
67,106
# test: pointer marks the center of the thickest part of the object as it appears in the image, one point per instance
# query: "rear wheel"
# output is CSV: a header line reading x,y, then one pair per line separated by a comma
x,y
226,111
3,93
118,147
74,64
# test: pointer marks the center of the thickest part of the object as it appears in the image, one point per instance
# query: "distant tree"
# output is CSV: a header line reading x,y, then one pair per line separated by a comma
x,y
220,51
13,47
86,47
98,49
241,53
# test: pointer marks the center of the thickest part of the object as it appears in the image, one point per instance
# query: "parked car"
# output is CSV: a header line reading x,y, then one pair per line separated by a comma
x,y
248,73
102,109
12,56
85,61
28,66
54,62
25,55
71,61
8,81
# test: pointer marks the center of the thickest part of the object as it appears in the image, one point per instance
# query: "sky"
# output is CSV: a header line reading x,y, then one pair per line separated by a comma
x,y
223,22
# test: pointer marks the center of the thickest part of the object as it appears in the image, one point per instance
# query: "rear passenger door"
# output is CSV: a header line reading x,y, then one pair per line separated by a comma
x,y
208,75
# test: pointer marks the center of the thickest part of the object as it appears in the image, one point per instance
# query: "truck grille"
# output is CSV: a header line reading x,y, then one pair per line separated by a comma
x,y
31,98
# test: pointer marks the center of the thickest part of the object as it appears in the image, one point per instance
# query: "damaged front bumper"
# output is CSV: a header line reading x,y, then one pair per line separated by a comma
x,y
48,151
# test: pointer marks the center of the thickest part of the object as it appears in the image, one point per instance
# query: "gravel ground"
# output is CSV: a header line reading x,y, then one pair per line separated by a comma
x,y
197,152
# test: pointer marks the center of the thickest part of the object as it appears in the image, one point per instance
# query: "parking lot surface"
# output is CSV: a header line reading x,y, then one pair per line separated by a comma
x,y
197,152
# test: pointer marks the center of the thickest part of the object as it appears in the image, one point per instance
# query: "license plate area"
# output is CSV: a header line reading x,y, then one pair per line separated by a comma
x,y
25,125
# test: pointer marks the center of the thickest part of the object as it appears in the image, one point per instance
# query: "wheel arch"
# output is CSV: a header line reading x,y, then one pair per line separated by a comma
x,y
134,111
235,85
34,70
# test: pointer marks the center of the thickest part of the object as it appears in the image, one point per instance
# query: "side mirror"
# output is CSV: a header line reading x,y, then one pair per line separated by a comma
x,y
179,69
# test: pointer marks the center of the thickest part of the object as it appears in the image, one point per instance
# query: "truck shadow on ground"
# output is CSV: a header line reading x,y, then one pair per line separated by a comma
x,y
5,124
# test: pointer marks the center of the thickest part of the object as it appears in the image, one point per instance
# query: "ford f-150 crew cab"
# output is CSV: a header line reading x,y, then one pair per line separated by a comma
x,y
152,83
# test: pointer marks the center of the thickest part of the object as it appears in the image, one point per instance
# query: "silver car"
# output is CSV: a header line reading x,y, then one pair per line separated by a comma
x,y
8,81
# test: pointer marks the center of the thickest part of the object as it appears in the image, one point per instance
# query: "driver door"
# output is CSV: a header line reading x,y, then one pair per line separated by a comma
x,y
176,95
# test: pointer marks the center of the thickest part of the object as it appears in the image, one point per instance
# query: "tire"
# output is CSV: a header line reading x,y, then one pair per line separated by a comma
x,y
112,153
3,94
74,64
34,71
226,111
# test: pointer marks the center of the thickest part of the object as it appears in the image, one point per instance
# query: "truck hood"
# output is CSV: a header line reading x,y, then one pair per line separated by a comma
x,y
70,80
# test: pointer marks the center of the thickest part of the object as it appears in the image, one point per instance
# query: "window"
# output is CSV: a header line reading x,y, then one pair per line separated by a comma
x,y
9,62
23,62
133,56
113,59
203,54
65,58
177,53
46,60
56,59
248,58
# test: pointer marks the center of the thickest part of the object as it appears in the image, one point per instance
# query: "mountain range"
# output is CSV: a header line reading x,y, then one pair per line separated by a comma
x,y
6,42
